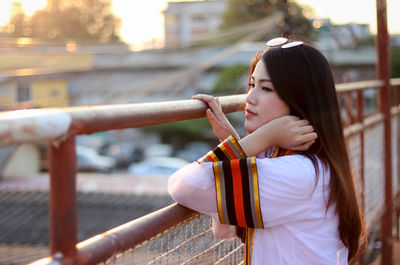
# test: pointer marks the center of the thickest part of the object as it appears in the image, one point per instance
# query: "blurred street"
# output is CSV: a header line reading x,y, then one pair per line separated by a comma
x,y
104,202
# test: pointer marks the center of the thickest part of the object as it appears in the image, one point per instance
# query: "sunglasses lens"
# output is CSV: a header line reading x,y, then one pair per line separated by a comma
x,y
292,44
276,41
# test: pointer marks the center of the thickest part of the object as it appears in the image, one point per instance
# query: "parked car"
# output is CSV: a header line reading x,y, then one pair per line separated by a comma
x,y
123,153
89,160
157,166
194,151
159,150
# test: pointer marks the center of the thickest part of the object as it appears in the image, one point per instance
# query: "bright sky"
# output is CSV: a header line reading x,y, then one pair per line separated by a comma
x,y
143,20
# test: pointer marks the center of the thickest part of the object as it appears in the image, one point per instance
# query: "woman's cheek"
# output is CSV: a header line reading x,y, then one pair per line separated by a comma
x,y
252,125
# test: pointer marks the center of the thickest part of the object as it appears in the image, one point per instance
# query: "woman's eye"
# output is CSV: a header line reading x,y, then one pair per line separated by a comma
x,y
251,85
267,89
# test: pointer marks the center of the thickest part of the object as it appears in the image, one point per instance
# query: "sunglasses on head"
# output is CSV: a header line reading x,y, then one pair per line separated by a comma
x,y
283,42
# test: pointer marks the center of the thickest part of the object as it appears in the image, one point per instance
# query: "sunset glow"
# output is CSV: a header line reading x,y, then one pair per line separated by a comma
x,y
142,21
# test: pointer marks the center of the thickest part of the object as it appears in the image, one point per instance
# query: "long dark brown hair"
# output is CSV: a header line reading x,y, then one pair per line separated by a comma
x,y
303,79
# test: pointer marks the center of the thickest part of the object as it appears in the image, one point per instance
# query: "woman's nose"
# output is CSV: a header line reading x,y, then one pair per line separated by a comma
x,y
251,97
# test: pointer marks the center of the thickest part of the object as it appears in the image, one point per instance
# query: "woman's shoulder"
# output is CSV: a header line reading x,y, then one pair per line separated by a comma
x,y
297,162
295,169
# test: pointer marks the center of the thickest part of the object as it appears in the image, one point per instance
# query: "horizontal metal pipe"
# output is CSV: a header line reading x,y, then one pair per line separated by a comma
x,y
122,238
368,122
86,120
395,81
51,124
103,246
359,85
33,125
358,127
36,125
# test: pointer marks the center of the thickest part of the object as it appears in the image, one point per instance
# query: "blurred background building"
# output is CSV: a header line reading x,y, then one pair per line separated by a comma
x,y
188,21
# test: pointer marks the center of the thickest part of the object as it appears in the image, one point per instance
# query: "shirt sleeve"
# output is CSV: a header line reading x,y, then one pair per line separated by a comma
x,y
229,149
193,186
289,191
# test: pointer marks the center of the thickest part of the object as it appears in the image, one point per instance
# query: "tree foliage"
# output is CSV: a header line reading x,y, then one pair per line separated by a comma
x,y
230,79
67,19
294,23
395,58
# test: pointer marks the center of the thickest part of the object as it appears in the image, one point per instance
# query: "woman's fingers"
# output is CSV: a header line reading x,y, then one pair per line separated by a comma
x,y
293,118
221,125
305,140
307,137
303,147
302,122
222,128
304,134
207,99
290,132
306,129
203,97
211,118
213,103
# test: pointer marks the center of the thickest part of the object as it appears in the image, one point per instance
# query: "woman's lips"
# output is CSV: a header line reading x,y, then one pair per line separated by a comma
x,y
249,114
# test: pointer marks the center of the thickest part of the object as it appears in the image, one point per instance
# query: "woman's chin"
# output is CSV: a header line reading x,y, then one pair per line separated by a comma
x,y
249,129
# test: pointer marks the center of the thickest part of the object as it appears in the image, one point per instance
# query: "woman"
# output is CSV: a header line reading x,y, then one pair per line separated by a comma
x,y
297,206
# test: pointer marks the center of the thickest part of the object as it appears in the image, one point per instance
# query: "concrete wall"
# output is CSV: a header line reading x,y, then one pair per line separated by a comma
x,y
50,93
8,92
25,162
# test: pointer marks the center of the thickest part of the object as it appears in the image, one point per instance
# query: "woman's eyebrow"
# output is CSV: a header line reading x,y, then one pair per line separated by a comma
x,y
264,79
261,80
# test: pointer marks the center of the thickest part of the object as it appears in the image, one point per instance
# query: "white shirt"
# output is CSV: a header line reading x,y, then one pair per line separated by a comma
x,y
297,227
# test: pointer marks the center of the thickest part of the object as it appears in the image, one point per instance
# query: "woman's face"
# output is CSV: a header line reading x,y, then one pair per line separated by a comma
x,y
262,102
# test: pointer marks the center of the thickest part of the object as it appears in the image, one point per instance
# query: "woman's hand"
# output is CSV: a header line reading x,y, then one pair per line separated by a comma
x,y
220,124
291,133
288,132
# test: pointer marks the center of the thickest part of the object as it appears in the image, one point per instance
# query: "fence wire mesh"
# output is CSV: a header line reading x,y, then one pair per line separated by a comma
x,y
374,173
374,180
190,242
395,153
354,150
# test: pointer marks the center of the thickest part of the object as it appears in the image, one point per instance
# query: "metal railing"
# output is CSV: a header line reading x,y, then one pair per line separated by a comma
x,y
60,126
172,235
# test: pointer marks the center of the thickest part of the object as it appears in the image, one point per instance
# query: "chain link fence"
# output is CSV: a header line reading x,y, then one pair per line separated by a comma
x,y
190,242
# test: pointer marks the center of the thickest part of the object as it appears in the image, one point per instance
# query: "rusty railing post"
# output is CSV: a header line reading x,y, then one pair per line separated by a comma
x,y
360,119
397,195
63,208
384,73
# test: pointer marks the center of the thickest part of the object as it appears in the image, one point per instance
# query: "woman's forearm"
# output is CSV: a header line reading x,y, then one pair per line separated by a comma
x,y
288,132
255,142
